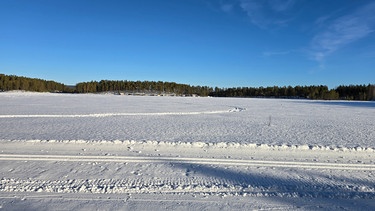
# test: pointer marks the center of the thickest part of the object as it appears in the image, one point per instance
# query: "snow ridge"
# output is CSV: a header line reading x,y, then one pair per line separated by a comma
x,y
203,186
221,145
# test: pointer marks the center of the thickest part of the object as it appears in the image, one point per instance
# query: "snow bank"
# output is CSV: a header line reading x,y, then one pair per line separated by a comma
x,y
219,145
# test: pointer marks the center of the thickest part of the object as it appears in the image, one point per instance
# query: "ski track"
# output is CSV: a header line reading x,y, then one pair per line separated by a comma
x,y
98,115
216,182
208,161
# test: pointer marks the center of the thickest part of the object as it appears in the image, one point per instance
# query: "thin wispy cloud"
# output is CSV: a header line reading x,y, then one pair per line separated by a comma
x,y
262,13
255,11
281,5
342,31
267,13
322,20
225,7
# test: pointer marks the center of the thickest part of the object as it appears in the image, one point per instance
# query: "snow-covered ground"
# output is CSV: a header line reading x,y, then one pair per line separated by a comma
x,y
84,152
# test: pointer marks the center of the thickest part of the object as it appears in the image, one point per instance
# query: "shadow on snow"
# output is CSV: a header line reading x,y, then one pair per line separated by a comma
x,y
295,192
361,104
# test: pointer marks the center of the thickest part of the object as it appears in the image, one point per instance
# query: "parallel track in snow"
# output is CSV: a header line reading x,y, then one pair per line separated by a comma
x,y
185,160
98,115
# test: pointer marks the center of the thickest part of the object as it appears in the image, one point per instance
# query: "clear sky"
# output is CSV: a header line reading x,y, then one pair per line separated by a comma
x,y
224,43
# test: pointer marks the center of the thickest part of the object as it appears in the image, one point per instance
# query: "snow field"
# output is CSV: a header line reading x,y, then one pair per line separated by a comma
x,y
173,119
118,152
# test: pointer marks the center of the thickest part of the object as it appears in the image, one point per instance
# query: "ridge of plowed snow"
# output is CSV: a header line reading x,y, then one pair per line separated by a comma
x,y
199,144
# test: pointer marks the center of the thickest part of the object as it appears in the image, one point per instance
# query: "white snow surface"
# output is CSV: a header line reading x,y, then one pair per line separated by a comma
x,y
44,116
109,152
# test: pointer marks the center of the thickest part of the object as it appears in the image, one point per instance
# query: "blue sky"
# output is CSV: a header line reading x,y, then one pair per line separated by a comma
x,y
224,43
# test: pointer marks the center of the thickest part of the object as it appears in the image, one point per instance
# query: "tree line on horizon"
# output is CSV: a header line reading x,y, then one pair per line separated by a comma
x,y
351,92
13,82
155,87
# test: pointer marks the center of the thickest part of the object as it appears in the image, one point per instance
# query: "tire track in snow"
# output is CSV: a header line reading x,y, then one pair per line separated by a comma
x,y
204,161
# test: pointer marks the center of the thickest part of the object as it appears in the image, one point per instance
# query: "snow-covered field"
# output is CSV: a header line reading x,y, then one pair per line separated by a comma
x,y
108,152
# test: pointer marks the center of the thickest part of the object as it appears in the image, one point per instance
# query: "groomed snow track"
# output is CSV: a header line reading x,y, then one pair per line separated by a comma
x,y
149,167
203,161
101,115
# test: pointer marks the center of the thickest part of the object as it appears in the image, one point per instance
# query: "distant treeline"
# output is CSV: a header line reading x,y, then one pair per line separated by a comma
x,y
12,82
158,87
351,92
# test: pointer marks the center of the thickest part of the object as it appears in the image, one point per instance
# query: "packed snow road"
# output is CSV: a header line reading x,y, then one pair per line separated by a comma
x,y
84,152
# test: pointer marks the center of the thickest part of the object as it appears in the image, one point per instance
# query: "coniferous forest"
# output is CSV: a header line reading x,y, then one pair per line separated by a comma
x,y
12,82
350,92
